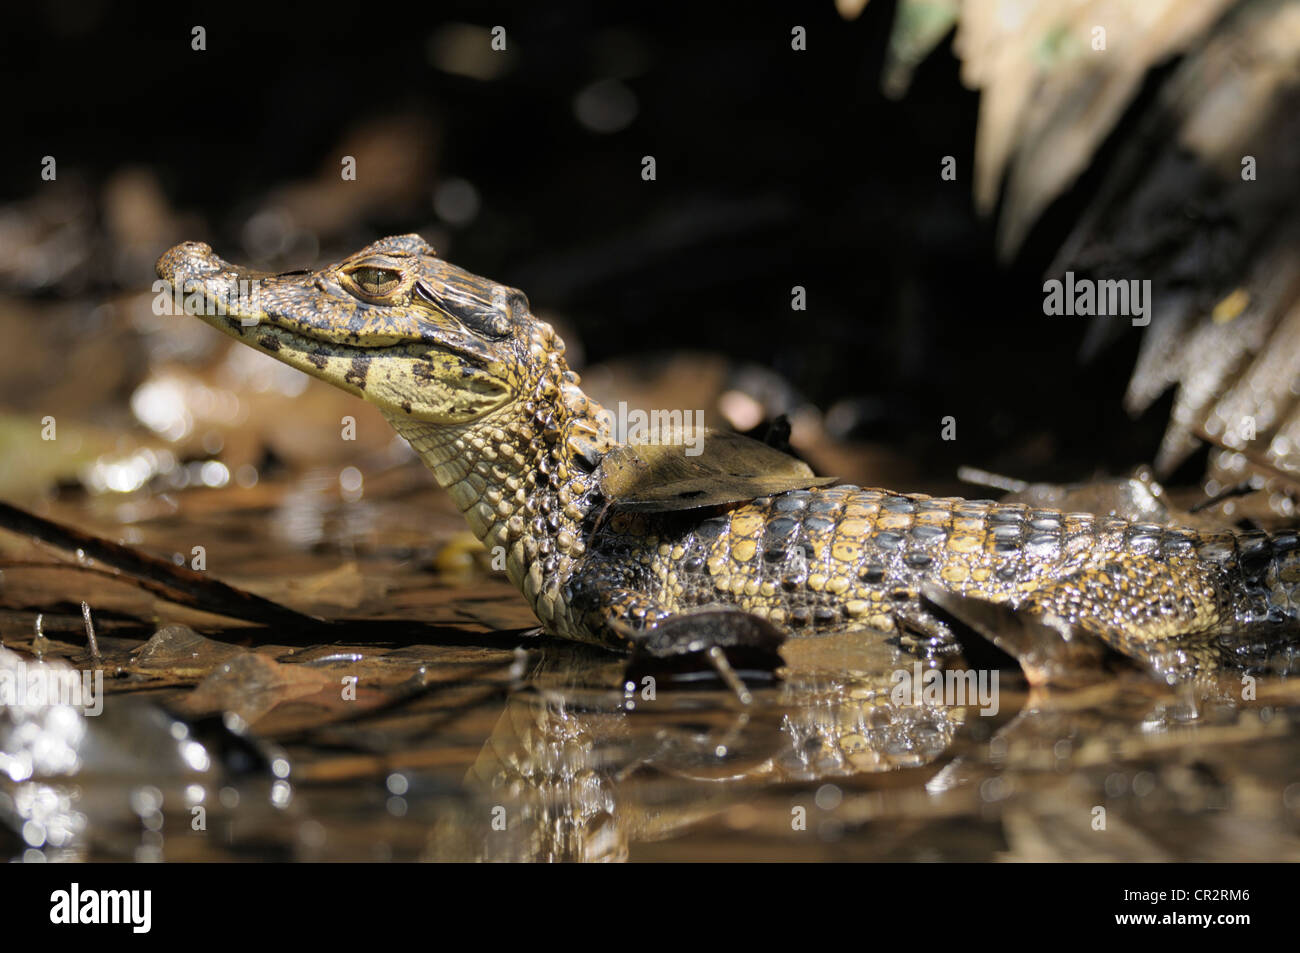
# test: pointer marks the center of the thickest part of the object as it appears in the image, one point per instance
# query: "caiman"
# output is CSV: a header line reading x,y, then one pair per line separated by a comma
x,y
481,390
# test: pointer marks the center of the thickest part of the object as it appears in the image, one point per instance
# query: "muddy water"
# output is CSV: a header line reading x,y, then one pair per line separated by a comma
x,y
429,722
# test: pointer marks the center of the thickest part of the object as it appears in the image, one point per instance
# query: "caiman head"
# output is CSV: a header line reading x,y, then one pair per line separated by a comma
x,y
459,366
394,324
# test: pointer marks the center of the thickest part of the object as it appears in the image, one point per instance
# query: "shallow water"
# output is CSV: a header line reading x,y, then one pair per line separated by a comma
x,y
438,726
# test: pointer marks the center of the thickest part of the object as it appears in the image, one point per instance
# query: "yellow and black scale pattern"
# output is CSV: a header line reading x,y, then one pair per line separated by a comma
x,y
481,390
822,559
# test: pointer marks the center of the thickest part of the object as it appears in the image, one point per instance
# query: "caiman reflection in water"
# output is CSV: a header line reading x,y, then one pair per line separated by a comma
x,y
581,764
829,764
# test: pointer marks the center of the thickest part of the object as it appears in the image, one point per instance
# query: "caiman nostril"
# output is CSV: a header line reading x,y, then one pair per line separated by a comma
x,y
188,260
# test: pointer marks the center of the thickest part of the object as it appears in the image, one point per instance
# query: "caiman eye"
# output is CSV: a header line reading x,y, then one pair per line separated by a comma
x,y
376,281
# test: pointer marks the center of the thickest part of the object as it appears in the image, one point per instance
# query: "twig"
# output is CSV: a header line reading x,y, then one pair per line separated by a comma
x,y
174,583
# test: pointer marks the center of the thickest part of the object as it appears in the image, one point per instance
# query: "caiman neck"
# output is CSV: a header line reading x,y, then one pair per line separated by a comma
x,y
522,475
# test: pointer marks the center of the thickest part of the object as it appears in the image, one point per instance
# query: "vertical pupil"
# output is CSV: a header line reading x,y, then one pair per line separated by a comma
x,y
375,276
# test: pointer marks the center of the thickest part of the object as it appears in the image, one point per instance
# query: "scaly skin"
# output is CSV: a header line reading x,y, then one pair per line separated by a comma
x,y
481,390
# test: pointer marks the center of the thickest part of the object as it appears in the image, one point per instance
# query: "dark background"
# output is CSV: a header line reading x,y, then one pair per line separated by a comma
x,y
775,168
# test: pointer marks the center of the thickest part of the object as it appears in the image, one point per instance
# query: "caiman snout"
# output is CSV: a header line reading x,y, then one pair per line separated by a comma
x,y
193,269
211,288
